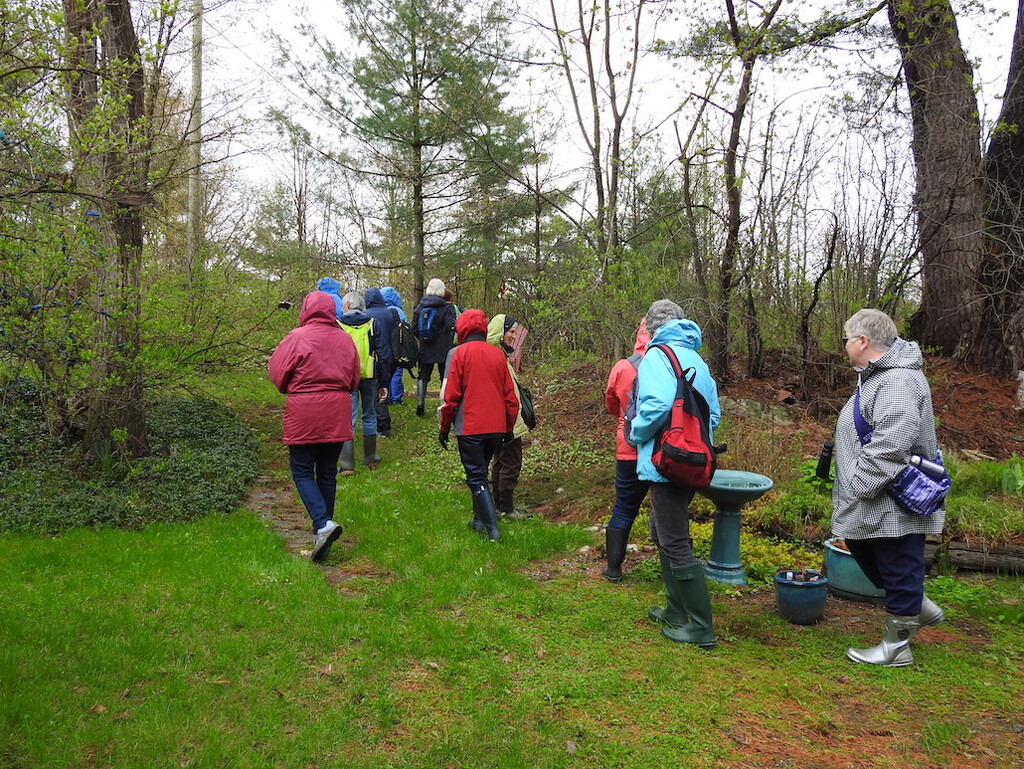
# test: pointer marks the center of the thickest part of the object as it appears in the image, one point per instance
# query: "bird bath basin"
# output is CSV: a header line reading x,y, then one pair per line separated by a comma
x,y
730,490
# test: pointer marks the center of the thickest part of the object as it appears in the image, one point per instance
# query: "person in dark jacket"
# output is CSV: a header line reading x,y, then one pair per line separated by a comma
x,y
687,614
366,333
479,400
317,368
434,349
887,543
384,319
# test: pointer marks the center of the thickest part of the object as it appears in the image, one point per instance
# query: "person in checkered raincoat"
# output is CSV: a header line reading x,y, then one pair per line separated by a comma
x,y
887,542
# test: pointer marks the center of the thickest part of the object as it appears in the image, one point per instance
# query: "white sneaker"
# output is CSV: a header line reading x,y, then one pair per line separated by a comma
x,y
324,539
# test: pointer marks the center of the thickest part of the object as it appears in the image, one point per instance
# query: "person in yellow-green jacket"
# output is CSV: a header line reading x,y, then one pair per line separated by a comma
x,y
508,460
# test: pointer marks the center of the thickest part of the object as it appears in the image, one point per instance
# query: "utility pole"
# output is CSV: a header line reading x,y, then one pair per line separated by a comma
x,y
194,236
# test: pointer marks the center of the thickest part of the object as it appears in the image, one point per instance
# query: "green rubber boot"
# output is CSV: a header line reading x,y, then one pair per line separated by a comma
x,y
673,615
696,600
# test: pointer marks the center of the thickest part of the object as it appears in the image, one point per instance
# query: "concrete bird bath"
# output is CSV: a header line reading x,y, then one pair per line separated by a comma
x,y
730,490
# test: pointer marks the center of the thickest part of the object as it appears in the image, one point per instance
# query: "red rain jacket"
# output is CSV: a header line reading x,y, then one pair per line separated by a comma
x,y
317,367
479,396
616,392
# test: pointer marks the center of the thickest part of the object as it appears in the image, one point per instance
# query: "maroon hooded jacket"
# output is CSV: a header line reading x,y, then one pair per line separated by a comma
x,y
317,367
479,396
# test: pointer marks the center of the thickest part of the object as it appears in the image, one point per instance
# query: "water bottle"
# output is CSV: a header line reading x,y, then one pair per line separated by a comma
x,y
825,460
927,466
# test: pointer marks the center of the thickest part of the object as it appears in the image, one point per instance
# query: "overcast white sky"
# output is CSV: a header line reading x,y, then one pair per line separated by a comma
x,y
240,60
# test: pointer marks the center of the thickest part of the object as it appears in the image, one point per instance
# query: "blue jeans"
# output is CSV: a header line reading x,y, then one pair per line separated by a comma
x,y
366,396
397,390
895,564
476,452
315,472
629,494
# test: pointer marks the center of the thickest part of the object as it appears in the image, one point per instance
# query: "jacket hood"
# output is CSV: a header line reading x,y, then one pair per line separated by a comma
x,y
642,337
328,285
317,307
496,330
374,298
902,354
391,296
682,331
471,322
355,318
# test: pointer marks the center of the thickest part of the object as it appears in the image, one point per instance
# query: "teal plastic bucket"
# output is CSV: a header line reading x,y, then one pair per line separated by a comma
x,y
800,595
846,579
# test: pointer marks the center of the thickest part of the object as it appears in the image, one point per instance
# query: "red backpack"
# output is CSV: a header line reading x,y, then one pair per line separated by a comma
x,y
683,451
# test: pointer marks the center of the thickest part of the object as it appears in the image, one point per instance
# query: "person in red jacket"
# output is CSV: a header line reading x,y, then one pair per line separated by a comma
x,y
316,365
629,490
479,399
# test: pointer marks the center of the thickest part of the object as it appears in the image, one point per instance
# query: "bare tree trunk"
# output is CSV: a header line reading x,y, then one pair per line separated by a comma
x,y
999,343
950,192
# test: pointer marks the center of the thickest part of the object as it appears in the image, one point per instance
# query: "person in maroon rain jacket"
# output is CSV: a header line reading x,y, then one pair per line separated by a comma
x,y
316,365
479,399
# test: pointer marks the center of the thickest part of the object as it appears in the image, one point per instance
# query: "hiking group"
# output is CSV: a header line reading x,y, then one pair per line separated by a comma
x,y
344,364
665,399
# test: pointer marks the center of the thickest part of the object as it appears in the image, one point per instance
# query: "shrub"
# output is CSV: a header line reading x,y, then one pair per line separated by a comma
x,y
209,461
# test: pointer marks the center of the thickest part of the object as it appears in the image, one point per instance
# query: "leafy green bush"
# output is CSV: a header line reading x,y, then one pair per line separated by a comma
x,y
209,461
761,556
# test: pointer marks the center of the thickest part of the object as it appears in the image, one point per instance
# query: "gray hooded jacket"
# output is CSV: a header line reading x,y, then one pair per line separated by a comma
x,y
896,401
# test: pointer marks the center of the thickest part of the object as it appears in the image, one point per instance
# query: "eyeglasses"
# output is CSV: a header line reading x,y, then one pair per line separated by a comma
x,y
846,339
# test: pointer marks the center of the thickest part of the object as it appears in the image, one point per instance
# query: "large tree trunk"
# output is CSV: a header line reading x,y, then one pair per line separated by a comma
x,y
950,191
102,43
999,344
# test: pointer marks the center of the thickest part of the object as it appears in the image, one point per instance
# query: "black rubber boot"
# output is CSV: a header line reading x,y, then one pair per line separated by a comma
x,y
477,523
421,397
370,456
615,552
673,615
483,504
692,585
347,465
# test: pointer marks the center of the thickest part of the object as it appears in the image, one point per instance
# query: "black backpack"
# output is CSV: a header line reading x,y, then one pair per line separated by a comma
x,y
404,345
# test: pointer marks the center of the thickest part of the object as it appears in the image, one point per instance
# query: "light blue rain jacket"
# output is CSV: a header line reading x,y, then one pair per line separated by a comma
x,y
656,389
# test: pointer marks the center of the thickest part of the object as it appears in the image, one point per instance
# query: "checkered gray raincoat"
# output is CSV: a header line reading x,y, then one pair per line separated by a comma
x,y
894,399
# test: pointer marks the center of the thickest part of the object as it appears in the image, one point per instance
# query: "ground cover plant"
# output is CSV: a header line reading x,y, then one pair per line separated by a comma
x,y
418,644
204,462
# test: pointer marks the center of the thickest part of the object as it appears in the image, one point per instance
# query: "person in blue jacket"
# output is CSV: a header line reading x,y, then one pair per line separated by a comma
x,y
332,287
397,389
687,614
377,308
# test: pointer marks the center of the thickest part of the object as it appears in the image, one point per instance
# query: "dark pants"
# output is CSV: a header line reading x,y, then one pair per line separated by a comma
x,y
427,369
896,565
670,523
384,419
315,469
508,464
476,451
629,494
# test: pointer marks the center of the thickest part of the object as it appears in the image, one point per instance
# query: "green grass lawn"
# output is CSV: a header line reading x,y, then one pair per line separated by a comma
x,y
208,644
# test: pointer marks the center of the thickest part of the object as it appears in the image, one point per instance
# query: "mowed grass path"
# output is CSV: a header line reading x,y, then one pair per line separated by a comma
x,y
209,645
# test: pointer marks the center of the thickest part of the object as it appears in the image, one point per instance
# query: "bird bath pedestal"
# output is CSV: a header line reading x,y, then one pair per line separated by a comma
x,y
730,490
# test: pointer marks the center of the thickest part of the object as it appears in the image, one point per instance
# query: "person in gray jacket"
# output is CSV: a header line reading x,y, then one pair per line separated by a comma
x,y
887,543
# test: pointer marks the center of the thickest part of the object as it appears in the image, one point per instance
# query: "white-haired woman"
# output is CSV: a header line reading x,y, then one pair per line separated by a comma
x,y
433,322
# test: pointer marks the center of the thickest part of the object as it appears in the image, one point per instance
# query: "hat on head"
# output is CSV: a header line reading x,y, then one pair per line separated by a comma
x,y
509,322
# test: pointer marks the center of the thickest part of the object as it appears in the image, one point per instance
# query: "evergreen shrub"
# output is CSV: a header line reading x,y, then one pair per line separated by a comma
x,y
208,462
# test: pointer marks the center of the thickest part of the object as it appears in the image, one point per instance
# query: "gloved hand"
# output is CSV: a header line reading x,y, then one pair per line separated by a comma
x,y
506,440
442,438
